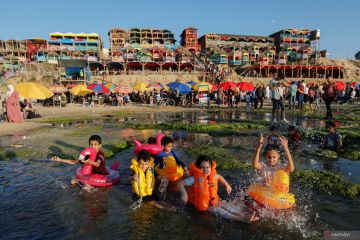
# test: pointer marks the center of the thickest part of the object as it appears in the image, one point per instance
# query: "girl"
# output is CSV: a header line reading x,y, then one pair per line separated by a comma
x,y
272,155
203,188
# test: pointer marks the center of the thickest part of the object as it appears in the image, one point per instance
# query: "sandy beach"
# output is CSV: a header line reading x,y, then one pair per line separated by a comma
x,y
77,111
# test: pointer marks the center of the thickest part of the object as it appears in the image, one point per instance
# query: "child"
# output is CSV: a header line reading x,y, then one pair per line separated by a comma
x,y
273,135
143,180
294,137
272,154
142,175
167,144
151,140
333,139
98,165
203,191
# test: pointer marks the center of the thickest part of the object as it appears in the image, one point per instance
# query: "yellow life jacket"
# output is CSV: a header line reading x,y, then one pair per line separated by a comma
x,y
144,182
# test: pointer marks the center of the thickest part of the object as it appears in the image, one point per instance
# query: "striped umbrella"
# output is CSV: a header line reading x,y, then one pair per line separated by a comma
x,y
58,89
155,85
111,86
96,87
123,89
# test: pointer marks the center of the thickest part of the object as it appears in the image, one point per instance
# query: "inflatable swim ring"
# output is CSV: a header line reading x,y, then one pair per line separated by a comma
x,y
171,171
84,173
275,196
153,149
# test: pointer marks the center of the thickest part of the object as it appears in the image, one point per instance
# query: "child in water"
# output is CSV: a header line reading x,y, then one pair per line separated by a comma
x,y
203,191
143,179
142,175
98,165
273,135
272,153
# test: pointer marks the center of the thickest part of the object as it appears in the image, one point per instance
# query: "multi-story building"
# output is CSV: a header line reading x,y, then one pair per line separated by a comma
x,y
36,49
189,39
76,45
296,45
239,48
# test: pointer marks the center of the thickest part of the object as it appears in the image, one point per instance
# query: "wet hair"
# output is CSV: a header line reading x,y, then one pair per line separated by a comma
x,y
95,138
330,124
273,128
202,158
143,155
166,140
291,128
271,147
151,140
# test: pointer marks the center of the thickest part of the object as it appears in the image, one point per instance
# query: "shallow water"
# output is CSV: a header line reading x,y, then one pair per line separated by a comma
x,y
38,202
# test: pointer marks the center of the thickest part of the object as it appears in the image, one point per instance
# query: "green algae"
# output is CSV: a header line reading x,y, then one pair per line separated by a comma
x,y
326,181
113,148
223,158
197,127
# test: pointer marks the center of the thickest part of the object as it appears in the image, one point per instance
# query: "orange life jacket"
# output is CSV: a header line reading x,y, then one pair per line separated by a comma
x,y
203,193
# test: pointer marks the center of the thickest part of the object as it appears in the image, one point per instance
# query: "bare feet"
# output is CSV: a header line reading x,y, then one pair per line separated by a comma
x,y
74,181
253,218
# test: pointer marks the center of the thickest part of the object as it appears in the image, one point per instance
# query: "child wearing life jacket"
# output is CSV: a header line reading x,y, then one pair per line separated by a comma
x,y
142,174
272,155
98,166
203,191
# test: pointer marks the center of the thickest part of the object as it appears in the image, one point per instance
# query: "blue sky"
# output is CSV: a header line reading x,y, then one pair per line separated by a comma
x,y
339,21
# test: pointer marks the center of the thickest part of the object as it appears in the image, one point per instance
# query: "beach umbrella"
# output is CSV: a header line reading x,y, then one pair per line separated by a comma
x,y
58,89
340,85
111,86
80,90
355,84
183,88
245,86
123,89
31,90
155,85
214,87
191,83
202,86
227,85
70,85
97,87
141,87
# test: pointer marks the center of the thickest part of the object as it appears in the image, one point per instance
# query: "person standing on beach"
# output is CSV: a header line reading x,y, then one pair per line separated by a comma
x,y
329,96
13,106
276,96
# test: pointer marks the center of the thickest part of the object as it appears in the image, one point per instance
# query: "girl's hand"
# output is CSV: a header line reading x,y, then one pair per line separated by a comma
x,y
186,170
261,140
228,188
284,142
184,198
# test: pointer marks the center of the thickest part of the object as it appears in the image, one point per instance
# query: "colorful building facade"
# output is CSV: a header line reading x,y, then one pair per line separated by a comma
x,y
189,39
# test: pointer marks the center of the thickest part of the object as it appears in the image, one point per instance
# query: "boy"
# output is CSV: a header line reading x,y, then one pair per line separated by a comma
x,y
333,139
294,137
273,135
142,175
98,165
167,144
